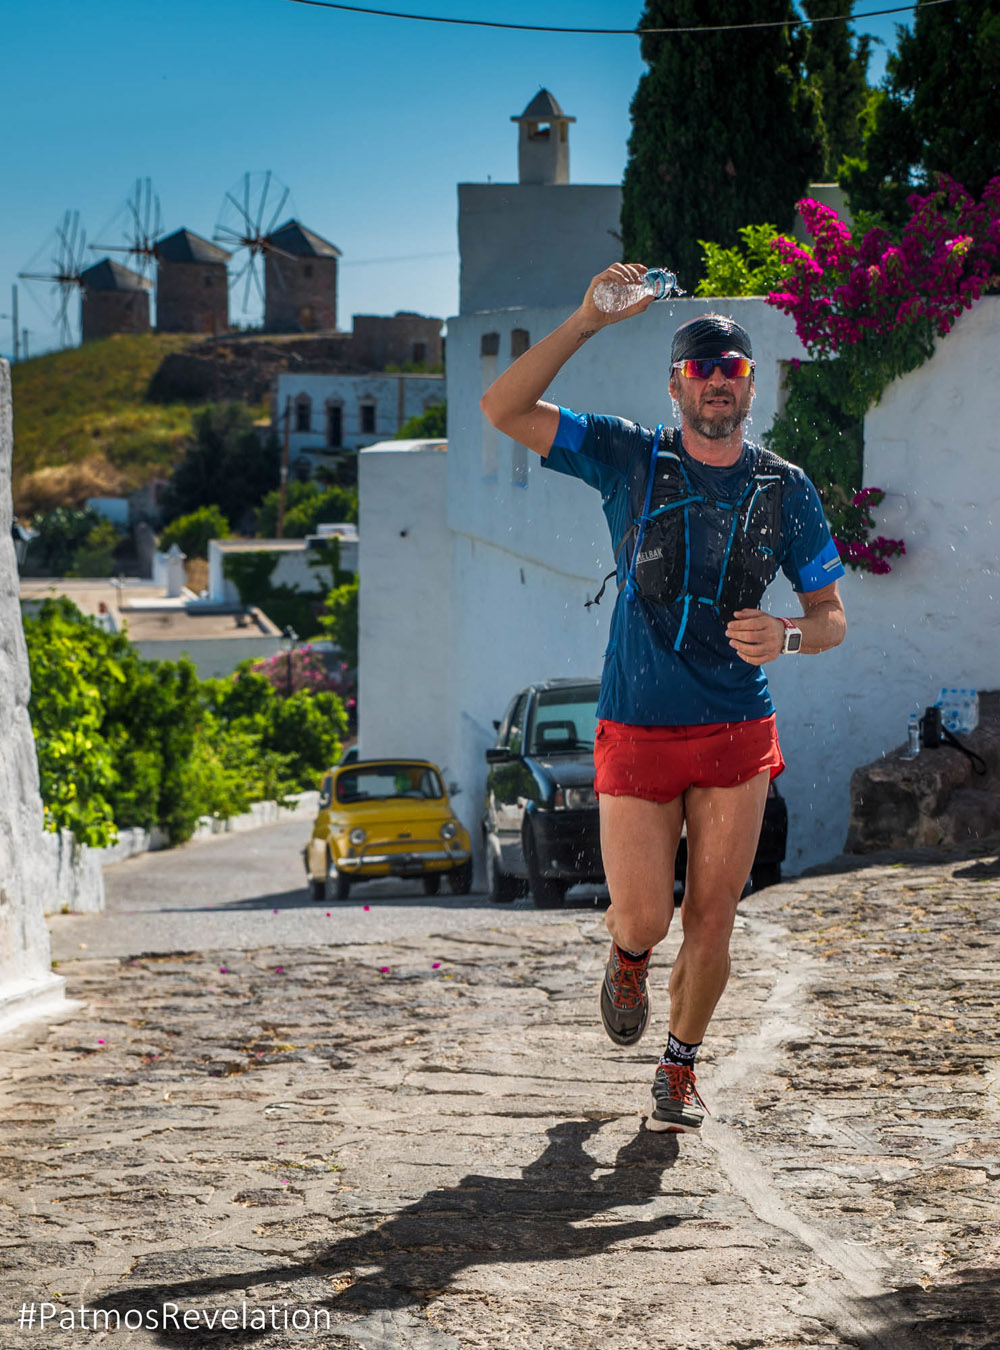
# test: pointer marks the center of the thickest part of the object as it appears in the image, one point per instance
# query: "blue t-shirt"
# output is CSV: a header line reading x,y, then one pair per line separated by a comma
x,y
646,682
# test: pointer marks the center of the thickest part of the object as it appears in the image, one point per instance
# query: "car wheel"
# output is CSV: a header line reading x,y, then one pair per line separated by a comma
x,y
460,881
546,892
317,889
501,887
431,883
338,886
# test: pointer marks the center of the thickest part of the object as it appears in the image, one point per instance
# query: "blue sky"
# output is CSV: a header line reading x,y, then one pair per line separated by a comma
x,y
371,122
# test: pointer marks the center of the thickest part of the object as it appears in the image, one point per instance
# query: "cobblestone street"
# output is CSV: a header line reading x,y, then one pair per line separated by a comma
x,y
430,1142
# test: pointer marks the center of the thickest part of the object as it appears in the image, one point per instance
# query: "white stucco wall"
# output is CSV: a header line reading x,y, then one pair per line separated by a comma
x,y
396,398
28,987
404,641
933,444
530,244
526,556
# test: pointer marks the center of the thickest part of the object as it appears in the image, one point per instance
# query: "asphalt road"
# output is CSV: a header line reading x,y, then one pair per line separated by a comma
x,y
247,890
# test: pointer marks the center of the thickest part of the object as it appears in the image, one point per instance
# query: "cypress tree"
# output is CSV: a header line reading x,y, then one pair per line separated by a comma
x,y
724,132
936,112
836,65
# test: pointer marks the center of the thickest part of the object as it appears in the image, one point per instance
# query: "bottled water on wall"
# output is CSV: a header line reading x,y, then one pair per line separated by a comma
x,y
611,297
959,709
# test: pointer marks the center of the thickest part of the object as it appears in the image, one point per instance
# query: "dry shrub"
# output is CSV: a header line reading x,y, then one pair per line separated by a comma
x,y
68,485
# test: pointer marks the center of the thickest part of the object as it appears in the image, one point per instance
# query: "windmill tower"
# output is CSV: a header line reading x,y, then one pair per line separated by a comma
x,y
115,300
192,285
543,142
300,281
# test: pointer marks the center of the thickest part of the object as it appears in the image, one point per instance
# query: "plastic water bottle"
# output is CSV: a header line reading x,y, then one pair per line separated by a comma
x,y
959,709
611,297
912,737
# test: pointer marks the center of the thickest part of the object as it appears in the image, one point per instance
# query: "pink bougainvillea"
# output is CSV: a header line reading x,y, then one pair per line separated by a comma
x,y
876,306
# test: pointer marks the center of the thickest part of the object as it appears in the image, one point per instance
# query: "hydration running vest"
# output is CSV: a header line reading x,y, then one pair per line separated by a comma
x,y
746,550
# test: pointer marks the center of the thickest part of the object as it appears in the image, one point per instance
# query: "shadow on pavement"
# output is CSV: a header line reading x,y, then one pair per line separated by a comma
x,y
961,1314
480,1221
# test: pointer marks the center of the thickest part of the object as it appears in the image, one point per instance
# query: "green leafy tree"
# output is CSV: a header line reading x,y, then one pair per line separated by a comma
x,y
122,741
306,506
227,464
95,556
723,132
936,112
339,620
836,67
192,533
76,765
62,532
432,422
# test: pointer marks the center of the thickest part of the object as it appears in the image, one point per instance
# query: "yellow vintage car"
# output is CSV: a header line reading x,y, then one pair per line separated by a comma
x,y
386,818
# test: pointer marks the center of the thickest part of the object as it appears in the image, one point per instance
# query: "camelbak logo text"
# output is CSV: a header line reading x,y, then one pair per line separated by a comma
x,y
650,555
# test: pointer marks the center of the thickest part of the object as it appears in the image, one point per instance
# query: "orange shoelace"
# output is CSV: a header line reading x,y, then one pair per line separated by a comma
x,y
627,981
681,1083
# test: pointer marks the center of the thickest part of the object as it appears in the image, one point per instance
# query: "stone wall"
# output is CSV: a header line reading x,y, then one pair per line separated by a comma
x,y
28,988
935,800
191,297
104,313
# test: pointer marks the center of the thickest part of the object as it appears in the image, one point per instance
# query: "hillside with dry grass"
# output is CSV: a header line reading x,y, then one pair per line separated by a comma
x,y
82,424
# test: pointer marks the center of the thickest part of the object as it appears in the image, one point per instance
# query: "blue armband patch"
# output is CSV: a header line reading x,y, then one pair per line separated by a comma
x,y
824,568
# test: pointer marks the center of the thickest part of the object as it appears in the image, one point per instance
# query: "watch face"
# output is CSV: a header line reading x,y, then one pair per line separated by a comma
x,y
793,641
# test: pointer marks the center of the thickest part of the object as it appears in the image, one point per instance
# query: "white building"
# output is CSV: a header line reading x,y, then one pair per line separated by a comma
x,y
333,413
528,547
298,563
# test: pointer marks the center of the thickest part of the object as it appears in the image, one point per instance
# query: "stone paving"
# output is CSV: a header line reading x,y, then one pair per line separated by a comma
x,y
430,1142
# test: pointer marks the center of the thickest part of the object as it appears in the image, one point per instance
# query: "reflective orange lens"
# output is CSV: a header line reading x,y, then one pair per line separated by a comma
x,y
732,367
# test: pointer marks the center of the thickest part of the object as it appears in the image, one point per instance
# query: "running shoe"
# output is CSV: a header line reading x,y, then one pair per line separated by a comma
x,y
624,1001
676,1104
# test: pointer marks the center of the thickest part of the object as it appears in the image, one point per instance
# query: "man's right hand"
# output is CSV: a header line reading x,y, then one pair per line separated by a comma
x,y
617,275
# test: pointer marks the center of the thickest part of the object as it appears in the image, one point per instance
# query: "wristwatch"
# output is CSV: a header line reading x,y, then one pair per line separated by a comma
x,y
793,638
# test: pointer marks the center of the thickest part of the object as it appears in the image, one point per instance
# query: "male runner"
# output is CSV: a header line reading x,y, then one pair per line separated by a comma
x,y
700,521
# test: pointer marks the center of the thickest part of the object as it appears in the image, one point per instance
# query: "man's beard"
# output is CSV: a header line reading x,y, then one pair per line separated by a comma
x,y
714,428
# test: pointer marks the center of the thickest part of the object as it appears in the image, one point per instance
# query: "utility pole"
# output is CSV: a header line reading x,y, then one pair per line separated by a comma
x,y
13,323
283,485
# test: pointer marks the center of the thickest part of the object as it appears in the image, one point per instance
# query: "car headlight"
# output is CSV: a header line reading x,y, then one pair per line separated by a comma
x,y
574,798
449,829
357,835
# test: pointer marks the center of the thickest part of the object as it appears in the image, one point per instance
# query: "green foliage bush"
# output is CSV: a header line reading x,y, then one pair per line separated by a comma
x,y
432,422
193,532
339,620
750,268
307,505
124,742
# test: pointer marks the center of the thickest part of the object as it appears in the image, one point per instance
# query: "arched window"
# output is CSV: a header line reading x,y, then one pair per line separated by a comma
x,y
303,412
334,426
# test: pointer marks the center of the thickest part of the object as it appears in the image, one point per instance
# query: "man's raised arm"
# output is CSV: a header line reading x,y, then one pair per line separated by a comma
x,y
514,402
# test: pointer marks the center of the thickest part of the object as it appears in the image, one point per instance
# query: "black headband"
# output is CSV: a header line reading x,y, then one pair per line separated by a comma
x,y
710,335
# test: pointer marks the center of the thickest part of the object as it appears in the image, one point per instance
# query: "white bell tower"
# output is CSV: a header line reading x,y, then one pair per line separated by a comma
x,y
543,141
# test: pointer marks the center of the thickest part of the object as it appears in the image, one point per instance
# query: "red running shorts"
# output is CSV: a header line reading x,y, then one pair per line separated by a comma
x,y
659,763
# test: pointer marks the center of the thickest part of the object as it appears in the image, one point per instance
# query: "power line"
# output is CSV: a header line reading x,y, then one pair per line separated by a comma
x,y
403,257
620,32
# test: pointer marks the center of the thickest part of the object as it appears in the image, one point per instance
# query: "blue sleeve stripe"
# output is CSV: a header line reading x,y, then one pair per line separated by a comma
x,y
823,569
572,430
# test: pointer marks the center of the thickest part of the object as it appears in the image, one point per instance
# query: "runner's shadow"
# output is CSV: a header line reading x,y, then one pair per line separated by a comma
x,y
482,1220
965,1311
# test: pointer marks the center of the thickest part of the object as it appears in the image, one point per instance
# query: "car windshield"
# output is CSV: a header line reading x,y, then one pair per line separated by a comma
x,y
564,719
381,782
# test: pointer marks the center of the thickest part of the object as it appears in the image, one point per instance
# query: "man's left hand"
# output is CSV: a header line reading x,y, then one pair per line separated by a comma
x,y
757,637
